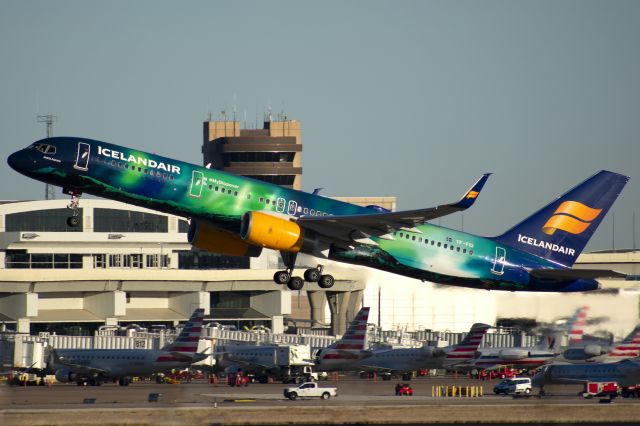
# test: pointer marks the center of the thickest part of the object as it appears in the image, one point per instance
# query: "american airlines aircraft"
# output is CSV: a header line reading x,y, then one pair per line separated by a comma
x,y
348,354
624,373
93,366
239,216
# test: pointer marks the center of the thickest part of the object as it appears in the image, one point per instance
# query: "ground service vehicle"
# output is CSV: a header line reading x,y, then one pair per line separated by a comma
x,y
517,385
592,389
310,390
404,389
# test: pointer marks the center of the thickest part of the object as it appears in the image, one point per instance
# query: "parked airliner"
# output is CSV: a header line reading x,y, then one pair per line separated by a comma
x,y
350,353
93,366
236,215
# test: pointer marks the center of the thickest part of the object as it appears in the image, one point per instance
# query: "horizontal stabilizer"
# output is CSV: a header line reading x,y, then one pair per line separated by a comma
x,y
574,274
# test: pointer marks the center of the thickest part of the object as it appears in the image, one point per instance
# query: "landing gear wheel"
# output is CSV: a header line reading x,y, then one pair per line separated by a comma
x,y
326,281
281,277
295,283
73,221
312,275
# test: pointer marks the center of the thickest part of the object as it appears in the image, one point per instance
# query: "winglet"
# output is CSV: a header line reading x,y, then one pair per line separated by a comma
x,y
472,194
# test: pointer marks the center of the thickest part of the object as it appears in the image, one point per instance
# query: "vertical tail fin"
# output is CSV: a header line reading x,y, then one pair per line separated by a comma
x,y
559,231
466,349
187,340
355,338
575,325
628,348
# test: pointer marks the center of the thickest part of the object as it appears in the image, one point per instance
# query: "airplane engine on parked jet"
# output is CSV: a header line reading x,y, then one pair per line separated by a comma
x,y
204,236
432,352
594,350
513,354
275,233
64,376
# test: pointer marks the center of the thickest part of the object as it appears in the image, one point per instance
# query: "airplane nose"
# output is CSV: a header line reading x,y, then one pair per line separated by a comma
x,y
15,161
20,161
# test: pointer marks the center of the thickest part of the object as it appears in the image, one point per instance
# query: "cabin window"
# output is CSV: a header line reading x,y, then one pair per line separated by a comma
x,y
146,172
139,169
445,246
401,234
210,187
439,244
464,250
262,199
222,190
170,177
408,236
471,252
113,162
151,173
420,239
235,193
305,210
413,238
312,212
248,196
458,249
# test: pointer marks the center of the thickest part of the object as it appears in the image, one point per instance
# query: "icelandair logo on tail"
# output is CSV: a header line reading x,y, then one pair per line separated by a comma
x,y
572,217
546,245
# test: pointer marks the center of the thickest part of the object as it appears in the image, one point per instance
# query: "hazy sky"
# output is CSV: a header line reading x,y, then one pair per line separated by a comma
x,y
408,98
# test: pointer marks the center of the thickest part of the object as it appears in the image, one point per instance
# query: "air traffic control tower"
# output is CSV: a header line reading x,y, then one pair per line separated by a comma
x,y
272,154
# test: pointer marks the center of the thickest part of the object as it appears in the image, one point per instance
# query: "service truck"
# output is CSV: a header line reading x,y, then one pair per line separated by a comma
x,y
310,390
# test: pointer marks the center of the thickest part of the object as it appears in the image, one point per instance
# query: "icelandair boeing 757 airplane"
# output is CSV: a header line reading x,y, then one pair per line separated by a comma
x,y
235,215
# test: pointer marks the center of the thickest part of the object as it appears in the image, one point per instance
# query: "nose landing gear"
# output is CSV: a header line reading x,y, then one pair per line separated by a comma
x,y
74,219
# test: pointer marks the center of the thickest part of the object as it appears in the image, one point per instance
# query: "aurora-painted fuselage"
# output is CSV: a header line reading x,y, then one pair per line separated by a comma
x,y
427,252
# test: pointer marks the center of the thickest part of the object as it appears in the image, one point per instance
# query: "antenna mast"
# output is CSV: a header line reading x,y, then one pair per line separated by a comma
x,y
49,191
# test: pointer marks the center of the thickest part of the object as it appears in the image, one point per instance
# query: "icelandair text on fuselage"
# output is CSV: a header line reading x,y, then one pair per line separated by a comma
x,y
543,244
147,162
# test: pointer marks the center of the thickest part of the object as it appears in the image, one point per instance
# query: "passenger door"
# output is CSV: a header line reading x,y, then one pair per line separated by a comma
x,y
197,183
498,261
82,157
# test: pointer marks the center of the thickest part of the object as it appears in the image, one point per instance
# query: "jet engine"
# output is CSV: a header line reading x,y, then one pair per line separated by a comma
x,y
204,236
594,350
513,354
64,376
275,233
433,352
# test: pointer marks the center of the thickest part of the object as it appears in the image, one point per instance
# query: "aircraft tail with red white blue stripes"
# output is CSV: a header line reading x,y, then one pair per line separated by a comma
x,y
186,344
352,345
628,348
467,348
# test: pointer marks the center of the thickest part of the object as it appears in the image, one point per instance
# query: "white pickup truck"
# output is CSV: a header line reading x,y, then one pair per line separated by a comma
x,y
310,390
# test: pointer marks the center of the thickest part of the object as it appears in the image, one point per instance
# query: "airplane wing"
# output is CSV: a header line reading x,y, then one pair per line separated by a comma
x,y
349,228
574,274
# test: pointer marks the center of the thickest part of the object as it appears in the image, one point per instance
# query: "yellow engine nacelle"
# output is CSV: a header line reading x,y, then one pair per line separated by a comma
x,y
271,232
206,237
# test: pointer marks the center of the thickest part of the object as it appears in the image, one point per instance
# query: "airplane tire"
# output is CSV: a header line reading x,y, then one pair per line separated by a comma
x,y
295,283
281,277
73,221
326,281
312,275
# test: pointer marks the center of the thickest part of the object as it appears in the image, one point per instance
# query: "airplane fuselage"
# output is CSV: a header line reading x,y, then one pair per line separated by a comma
x,y
426,252
117,362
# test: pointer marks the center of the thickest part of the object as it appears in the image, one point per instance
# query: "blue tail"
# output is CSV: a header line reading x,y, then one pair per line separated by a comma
x,y
560,231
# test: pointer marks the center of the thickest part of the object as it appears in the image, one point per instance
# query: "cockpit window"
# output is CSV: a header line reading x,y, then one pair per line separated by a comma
x,y
45,148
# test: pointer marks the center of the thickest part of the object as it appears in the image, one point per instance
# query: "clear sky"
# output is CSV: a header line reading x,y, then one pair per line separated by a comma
x,y
408,98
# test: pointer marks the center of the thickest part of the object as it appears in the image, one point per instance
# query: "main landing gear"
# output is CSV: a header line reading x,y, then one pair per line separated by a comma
x,y
74,219
310,275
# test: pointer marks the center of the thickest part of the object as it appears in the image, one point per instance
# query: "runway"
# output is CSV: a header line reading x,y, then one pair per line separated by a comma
x,y
359,401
